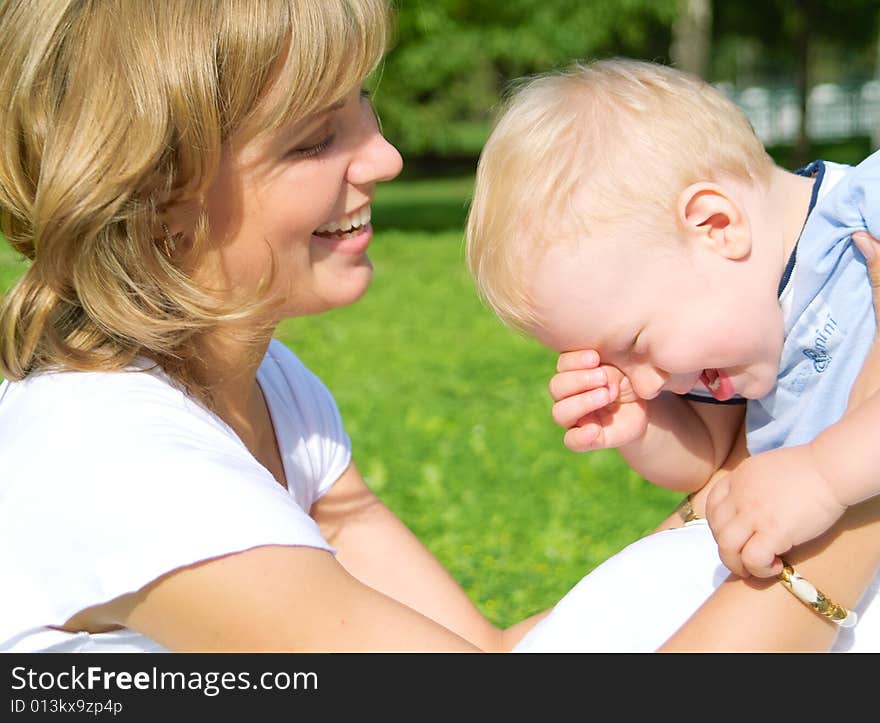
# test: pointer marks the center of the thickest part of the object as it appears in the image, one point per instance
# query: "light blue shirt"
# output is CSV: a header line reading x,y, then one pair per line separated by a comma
x,y
828,310
826,301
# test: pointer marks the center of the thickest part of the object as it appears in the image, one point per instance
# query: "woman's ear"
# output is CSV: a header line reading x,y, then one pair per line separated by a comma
x,y
711,217
174,227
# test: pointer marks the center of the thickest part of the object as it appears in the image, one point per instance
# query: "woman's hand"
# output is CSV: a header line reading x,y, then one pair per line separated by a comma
x,y
868,381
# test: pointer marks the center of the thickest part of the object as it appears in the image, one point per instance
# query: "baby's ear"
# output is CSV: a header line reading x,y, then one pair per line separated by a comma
x,y
711,217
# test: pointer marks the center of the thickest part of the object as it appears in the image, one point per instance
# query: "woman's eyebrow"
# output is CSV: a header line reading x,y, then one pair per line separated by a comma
x,y
306,125
329,109
313,118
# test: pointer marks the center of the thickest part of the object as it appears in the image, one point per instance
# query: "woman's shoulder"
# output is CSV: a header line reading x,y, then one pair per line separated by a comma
x,y
306,418
126,481
284,375
123,452
281,361
51,420
104,399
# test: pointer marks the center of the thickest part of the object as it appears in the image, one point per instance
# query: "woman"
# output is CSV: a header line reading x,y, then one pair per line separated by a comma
x,y
184,175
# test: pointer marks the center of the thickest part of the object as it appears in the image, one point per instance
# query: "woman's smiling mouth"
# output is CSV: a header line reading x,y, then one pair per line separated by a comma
x,y
346,226
350,234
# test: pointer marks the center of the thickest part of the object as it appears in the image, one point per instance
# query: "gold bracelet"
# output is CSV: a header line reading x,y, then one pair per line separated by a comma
x,y
815,599
792,581
686,511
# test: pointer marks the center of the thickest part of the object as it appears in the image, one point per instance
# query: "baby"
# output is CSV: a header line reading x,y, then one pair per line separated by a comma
x,y
627,210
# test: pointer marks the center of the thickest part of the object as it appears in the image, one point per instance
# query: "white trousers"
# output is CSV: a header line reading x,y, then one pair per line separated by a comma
x,y
635,600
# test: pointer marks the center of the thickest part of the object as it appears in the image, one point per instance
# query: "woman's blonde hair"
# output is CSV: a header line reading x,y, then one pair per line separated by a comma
x,y
609,141
112,112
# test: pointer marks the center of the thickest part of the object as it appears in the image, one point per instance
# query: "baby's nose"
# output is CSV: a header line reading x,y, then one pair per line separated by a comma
x,y
647,381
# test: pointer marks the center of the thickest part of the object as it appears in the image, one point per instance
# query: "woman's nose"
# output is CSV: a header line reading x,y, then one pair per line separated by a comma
x,y
377,160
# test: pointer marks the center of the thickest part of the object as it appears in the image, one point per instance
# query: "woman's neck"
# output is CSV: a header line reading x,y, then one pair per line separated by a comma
x,y
228,370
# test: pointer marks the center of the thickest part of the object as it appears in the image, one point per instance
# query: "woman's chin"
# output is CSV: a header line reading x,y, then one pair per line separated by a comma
x,y
352,297
356,282
346,290
328,290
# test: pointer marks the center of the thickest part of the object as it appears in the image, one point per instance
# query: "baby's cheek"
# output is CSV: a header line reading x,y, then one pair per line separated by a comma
x,y
760,384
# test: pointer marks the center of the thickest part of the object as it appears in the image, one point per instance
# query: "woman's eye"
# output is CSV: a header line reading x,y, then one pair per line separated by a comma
x,y
311,151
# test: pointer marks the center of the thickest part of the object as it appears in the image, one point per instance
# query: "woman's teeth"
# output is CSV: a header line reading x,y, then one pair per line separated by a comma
x,y
346,224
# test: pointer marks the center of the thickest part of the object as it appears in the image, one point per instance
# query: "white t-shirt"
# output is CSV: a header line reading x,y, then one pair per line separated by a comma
x,y
110,480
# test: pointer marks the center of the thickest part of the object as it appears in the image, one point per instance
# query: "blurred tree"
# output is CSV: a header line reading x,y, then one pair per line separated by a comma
x,y
790,31
692,37
454,58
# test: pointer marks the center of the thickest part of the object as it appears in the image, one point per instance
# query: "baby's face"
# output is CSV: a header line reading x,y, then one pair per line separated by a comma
x,y
669,318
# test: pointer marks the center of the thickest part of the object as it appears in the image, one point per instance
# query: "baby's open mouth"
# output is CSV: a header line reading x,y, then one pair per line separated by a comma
x,y
718,384
345,227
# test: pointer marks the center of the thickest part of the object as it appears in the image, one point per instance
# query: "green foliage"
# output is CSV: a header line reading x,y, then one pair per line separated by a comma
x,y
762,47
453,59
845,21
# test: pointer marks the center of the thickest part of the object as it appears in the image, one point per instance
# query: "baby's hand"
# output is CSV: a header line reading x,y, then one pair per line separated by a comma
x,y
595,403
770,503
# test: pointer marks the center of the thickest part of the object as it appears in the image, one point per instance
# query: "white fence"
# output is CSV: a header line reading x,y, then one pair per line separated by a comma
x,y
834,112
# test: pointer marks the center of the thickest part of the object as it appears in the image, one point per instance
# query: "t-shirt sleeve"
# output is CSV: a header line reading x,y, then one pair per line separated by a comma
x,y
311,435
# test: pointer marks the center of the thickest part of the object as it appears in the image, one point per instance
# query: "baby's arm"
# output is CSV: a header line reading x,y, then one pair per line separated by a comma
x,y
669,441
686,442
784,497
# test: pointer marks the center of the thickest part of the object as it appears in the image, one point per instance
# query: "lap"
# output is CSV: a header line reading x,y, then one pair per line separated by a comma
x,y
636,599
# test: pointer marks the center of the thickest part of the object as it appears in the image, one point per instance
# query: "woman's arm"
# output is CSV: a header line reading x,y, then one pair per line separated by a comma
x,y
384,591
759,614
380,551
270,598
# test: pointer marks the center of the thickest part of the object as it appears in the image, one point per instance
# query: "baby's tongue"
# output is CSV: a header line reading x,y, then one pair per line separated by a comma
x,y
718,384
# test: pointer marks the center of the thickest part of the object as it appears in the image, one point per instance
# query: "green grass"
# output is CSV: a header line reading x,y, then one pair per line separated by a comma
x,y
449,416
423,205
851,151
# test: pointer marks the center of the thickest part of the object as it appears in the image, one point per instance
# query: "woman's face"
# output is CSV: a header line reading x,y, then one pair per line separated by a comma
x,y
301,194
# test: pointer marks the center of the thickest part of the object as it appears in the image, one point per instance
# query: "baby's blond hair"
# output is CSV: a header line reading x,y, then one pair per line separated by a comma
x,y
609,141
111,112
